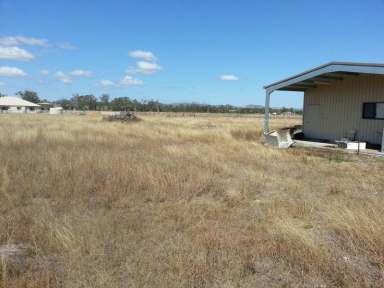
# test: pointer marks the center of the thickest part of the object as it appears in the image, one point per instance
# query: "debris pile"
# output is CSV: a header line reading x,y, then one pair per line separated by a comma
x,y
284,138
122,117
281,138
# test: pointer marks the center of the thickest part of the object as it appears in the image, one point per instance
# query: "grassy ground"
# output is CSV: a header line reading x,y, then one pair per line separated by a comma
x,y
186,202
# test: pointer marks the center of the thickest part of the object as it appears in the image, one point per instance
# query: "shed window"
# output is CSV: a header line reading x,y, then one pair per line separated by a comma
x,y
373,110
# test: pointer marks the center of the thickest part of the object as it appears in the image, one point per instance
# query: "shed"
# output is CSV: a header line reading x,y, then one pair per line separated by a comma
x,y
16,104
341,100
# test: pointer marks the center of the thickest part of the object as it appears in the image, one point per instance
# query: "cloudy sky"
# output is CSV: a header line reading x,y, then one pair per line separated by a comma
x,y
216,51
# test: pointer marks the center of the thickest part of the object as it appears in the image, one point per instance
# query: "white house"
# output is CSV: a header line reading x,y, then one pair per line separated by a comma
x,y
14,104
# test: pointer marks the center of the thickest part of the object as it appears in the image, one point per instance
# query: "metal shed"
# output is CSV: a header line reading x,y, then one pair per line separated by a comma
x,y
341,100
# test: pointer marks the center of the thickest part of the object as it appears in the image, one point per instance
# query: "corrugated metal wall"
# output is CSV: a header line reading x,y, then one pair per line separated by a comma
x,y
335,111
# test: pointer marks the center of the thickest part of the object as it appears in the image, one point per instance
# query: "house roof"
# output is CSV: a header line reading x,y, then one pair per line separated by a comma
x,y
325,75
13,101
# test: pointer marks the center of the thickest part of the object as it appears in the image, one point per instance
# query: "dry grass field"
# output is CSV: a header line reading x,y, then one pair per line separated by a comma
x,y
184,202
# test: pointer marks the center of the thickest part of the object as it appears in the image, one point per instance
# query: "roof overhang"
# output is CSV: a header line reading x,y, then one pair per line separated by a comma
x,y
324,75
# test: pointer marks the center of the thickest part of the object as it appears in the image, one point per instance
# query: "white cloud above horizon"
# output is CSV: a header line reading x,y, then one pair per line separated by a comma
x,y
229,77
144,67
145,55
148,67
147,63
15,53
31,41
7,71
22,40
128,80
44,72
66,78
107,83
61,76
81,73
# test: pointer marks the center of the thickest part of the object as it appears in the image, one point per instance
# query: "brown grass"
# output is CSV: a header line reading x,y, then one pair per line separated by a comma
x,y
186,202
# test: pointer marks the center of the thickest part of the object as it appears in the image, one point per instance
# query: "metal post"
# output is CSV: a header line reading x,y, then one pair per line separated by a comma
x,y
382,142
266,112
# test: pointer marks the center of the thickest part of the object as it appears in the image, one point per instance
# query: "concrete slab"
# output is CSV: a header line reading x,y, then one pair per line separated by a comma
x,y
306,143
334,147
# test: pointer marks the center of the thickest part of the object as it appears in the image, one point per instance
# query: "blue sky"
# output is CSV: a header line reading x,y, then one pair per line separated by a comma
x,y
215,51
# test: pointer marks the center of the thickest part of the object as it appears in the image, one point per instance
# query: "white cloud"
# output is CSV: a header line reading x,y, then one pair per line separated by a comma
x,y
229,77
61,76
144,67
145,55
107,83
15,53
130,81
11,72
21,40
81,73
44,72
148,67
67,77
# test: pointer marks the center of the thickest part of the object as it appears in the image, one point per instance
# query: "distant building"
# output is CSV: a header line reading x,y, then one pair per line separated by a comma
x,y
45,106
14,104
56,110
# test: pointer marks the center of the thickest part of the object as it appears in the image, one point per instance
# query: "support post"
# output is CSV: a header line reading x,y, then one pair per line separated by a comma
x,y
266,111
382,142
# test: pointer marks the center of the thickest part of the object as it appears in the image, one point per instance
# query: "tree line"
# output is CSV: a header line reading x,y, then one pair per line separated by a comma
x,y
105,103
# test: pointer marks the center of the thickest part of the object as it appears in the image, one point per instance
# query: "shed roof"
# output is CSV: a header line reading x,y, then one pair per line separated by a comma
x,y
12,101
325,75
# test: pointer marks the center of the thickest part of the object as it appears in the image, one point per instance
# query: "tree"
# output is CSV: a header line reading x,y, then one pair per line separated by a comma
x,y
153,105
104,98
104,101
84,102
122,104
65,103
29,95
